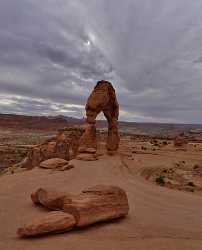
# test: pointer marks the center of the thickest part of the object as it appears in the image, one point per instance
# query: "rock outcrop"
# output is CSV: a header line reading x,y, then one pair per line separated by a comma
x,y
56,147
95,204
73,135
64,146
180,140
102,99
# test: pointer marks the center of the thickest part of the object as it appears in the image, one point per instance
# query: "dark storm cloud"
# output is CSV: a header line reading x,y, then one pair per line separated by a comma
x,y
53,52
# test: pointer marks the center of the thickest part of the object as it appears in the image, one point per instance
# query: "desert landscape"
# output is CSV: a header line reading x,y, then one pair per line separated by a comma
x,y
100,125
140,190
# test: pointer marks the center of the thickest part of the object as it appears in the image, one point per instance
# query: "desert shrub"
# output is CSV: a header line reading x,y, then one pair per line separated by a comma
x,y
191,184
196,166
160,180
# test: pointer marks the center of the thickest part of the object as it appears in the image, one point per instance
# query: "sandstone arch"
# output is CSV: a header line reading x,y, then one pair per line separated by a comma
x,y
102,99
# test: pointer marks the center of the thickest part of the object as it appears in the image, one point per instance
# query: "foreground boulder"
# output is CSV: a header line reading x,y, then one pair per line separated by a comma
x,y
95,204
53,222
98,203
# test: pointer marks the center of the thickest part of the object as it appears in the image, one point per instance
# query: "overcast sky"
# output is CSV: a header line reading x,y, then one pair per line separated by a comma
x,y
52,53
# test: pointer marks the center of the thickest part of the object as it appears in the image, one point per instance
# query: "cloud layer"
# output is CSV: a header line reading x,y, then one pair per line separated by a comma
x,y
53,52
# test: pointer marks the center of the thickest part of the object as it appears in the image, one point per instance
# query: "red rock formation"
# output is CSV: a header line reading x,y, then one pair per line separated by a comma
x,y
95,204
103,98
64,146
73,135
88,143
180,140
57,147
49,198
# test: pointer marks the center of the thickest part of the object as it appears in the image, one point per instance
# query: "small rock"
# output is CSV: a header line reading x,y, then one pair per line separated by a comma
x,y
66,167
87,150
87,157
53,163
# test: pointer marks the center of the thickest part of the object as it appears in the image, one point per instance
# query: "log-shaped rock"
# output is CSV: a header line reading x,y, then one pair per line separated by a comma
x,y
50,223
50,199
98,203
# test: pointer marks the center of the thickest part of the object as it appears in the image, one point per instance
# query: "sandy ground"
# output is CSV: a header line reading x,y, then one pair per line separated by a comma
x,y
159,218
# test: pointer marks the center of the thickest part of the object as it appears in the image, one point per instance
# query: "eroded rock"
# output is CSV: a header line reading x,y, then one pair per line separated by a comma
x,y
64,146
98,203
56,147
102,98
52,222
54,163
50,199
95,204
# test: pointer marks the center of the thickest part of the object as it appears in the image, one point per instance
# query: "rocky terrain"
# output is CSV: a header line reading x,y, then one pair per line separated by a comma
x,y
159,218
94,189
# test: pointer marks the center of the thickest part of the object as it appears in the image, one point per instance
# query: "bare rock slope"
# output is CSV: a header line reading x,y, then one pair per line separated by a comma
x,y
159,218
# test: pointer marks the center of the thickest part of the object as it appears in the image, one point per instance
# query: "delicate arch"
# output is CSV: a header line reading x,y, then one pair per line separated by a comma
x,y
102,99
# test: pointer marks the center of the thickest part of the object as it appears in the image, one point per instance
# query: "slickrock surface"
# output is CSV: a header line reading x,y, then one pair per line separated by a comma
x,y
159,218
53,222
